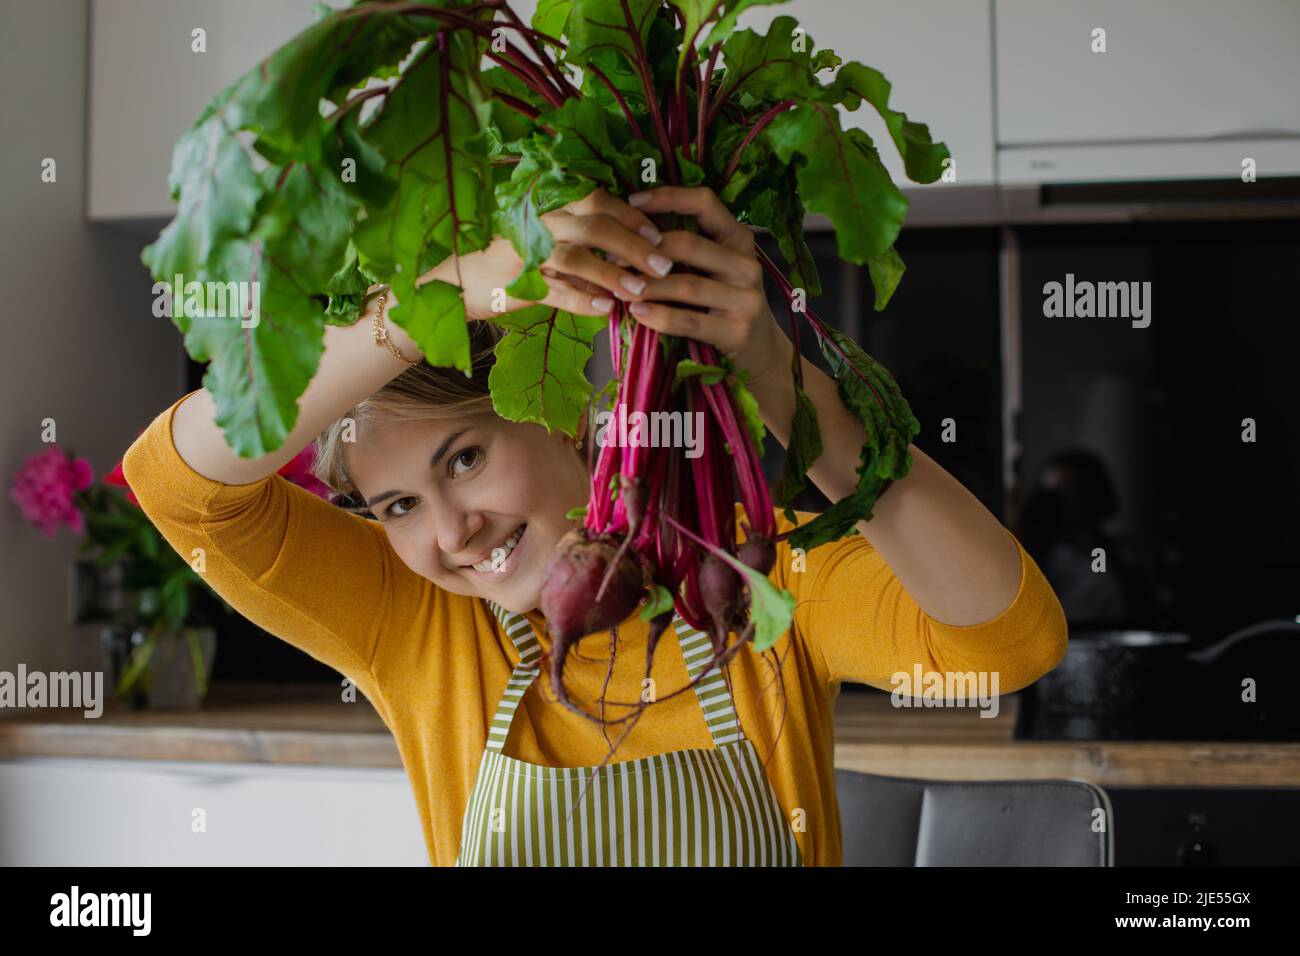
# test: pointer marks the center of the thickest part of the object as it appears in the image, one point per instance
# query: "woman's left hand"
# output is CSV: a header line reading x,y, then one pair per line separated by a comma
x,y
725,304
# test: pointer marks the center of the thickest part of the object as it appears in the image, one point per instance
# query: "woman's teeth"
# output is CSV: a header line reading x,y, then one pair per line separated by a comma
x,y
500,554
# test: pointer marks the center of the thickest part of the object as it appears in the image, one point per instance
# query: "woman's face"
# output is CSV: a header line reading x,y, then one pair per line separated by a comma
x,y
454,493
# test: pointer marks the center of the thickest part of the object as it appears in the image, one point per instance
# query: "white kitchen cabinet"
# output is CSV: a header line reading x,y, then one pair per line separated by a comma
x,y
1184,88
147,86
102,812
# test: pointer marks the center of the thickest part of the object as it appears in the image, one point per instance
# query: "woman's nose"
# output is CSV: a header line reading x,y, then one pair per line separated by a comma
x,y
455,530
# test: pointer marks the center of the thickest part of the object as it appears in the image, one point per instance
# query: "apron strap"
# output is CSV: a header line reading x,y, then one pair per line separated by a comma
x,y
712,692
529,649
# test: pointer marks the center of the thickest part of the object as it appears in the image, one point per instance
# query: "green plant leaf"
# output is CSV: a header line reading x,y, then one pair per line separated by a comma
x,y
136,667
769,67
347,291
770,608
804,449
871,393
538,375
148,538
114,551
659,602
551,172
886,272
217,192
727,22
708,374
431,131
697,14
530,286
581,144
261,365
550,16
841,177
196,660
621,26
825,60
280,97
748,406
922,158
781,212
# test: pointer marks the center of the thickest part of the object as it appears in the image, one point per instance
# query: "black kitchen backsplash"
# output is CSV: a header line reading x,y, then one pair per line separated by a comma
x,y
1203,534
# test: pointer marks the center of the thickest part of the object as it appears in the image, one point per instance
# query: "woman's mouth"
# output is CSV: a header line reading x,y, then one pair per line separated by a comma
x,y
504,556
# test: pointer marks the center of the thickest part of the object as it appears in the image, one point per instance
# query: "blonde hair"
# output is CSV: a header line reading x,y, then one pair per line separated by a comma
x,y
423,391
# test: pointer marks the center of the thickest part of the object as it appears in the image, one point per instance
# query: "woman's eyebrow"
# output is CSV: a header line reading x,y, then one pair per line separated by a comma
x,y
433,463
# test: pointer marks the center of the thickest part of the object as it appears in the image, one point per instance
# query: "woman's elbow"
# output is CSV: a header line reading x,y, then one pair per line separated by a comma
x,y
1044,649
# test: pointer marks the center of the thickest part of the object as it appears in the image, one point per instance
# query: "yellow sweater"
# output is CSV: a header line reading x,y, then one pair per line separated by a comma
x,y
434,664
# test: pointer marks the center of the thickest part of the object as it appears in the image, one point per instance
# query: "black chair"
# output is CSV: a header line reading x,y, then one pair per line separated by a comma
x,y
898,821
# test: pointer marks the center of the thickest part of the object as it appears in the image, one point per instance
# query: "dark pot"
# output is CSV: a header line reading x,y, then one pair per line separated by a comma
x,y
1117,685
1149,685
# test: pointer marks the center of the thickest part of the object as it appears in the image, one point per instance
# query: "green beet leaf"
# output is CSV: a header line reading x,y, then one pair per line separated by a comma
x,y
282,182
621,26
431,132
213,181
842,177
659,602
538,373
804,449
771,609
769,67
922,158
550,16
708,374
871,393
748,406
886,272
727,22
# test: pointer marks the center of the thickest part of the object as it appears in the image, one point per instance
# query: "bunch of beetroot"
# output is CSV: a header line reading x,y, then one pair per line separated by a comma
x,y
636,539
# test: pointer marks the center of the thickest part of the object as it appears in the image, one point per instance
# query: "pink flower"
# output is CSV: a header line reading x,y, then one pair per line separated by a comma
x,y
45,488
298,470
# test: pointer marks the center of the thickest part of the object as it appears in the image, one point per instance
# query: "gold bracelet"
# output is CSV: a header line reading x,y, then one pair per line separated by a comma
x,y
381,332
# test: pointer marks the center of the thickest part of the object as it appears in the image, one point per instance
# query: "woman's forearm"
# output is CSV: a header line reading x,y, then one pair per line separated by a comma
x,y
352,368
955,560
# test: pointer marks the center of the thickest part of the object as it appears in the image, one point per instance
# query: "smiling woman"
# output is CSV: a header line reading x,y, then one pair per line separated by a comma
x,y
428,599
453,483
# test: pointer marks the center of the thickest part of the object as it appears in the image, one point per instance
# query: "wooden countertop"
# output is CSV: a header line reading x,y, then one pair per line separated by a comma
x,y
308,724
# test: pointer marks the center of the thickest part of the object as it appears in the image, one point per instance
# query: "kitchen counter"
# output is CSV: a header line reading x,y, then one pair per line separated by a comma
x,y
307,724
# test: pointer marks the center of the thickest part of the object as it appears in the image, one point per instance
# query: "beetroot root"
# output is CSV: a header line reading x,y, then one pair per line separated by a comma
x,y
757,553
568,600
720,587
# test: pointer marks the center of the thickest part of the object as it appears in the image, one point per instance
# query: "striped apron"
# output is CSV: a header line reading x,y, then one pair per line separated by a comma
x,y
703,807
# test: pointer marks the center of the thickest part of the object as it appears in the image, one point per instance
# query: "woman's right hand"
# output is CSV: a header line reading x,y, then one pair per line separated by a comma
x,y
580,281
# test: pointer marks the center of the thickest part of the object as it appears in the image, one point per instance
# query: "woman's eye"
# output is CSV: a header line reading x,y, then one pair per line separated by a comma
x,y
389,512
473,454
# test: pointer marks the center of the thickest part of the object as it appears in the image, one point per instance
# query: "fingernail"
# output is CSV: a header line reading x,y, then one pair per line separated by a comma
x,y
651,235
632,284
638,199
640,308
661,265
602,304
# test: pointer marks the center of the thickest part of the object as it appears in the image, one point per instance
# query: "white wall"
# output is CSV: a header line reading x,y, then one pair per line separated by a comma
x,y
80,343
